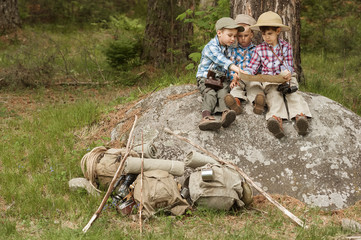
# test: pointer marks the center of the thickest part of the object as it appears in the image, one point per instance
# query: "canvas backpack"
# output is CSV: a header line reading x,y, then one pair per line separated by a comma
x,y
159,191
226,189
100,164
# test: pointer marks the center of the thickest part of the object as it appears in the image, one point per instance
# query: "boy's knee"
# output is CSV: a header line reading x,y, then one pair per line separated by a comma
x,y
271,88
208,93
222,92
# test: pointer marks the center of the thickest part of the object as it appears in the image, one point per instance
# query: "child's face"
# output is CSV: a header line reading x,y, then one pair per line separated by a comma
x,y
226,36
271,36
245,38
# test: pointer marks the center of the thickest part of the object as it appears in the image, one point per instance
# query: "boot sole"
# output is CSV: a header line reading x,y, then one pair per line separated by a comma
x,y
302,126
210,126
259,103
229,118
232,104
275,129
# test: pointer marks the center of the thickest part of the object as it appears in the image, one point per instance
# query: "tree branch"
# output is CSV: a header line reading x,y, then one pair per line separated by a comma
x,y
116,176
244,175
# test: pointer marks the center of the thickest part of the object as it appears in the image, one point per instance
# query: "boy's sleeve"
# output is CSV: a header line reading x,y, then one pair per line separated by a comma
x,y
233,58
254,64
288,55
215,54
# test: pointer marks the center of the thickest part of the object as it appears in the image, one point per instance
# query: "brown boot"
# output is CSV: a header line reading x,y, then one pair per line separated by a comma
x,y
301,124
228,117
259,103
233,103
209,123
274,125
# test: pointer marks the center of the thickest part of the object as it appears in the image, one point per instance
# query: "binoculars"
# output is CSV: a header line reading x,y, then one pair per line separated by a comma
x,y
285,88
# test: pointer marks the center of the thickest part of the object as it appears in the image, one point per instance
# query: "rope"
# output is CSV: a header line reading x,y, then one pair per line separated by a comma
x,y
88,164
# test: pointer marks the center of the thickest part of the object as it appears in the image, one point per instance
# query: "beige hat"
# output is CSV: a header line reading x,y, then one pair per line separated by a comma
x,y
227,22
270,19
246,19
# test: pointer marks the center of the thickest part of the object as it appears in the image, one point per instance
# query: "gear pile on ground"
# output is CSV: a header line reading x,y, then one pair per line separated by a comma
x,y
171,186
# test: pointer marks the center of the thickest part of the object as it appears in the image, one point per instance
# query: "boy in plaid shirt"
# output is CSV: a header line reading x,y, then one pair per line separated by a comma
x,y
214,57
241,56
274,55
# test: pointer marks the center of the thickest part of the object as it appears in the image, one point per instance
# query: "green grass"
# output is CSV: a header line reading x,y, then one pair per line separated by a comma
x,y
40,152
38,58
335,77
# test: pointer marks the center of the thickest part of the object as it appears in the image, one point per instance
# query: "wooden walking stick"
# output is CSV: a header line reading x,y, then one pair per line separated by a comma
x,y
116,176
244,175
141,190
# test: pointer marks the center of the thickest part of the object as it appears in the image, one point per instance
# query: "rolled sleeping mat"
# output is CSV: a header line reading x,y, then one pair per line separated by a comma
x,y
194,159
133,165
150,151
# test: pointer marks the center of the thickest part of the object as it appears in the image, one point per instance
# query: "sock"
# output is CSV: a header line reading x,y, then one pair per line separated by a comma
x,y
206,113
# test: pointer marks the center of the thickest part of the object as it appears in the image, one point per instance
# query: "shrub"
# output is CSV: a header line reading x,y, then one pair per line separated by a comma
x,y
123,53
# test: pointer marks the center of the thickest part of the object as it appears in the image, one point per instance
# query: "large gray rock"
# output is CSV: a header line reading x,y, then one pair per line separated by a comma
x,y
321,169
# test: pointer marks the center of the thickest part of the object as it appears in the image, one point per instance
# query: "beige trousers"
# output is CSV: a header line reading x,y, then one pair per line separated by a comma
x,y
247,91
277,106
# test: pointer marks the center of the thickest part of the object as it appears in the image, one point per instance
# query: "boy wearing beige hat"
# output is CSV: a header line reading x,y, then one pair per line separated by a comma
x,y
274,56
241,56
214,60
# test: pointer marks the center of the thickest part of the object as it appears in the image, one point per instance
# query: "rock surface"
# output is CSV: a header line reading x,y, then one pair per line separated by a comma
x,y
321,169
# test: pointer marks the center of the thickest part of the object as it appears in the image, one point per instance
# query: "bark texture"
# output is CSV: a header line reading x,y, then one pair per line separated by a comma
x,y
9,16
289,10
165,38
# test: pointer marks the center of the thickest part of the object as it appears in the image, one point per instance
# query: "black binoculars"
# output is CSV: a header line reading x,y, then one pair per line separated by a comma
x,y
285,88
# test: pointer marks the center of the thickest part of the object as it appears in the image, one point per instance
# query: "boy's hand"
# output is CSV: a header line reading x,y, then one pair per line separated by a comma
x,y
234,83
235,68
235,76
286,75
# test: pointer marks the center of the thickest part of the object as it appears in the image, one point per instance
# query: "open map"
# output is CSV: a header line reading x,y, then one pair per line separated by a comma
x,y
262,78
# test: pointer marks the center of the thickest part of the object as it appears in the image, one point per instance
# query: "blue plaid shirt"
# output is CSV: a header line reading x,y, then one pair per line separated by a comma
x,y
214,56
241,56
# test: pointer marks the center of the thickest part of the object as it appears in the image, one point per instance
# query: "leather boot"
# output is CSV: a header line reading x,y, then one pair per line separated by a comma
x,y
274,125
228,117
259,103
301,124
232,103
209,123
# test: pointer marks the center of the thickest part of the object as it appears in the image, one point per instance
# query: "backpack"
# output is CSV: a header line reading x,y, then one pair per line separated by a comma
x,y
100,164
159,191
221,190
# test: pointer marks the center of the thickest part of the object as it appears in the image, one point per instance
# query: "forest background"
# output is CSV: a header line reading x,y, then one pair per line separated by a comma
x,y
82,61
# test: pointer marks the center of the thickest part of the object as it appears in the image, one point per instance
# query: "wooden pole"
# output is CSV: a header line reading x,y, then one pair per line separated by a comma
x,y
116,176
244,175
141,190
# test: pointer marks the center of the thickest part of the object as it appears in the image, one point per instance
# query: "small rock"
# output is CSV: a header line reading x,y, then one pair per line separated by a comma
x,y
352,225
76,183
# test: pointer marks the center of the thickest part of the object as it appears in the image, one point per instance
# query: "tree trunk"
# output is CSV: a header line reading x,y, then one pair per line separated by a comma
x,y
9,16
165,38
289,10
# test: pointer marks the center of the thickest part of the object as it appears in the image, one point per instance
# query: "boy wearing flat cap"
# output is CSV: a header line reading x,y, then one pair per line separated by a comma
x,y
214,59
274,56
241,55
